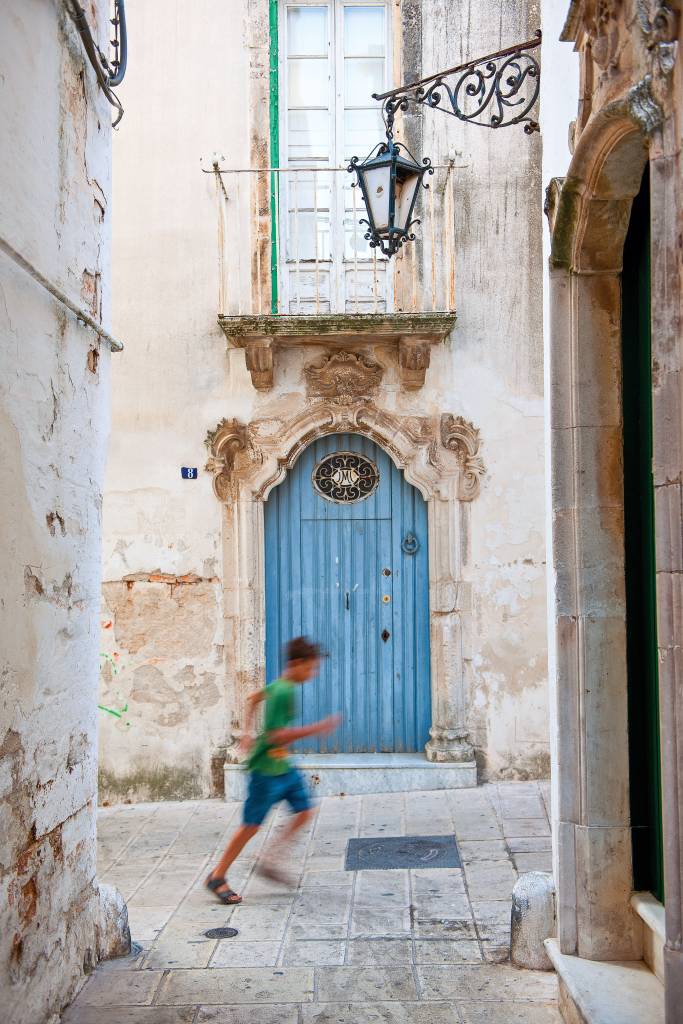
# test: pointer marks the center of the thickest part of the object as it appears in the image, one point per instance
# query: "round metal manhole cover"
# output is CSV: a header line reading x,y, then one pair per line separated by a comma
x,y
221,933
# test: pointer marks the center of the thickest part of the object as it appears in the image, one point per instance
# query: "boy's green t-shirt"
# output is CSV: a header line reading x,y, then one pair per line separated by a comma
x,y
267,758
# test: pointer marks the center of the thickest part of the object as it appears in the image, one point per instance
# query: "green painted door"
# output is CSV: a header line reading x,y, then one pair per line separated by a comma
x,y
641,604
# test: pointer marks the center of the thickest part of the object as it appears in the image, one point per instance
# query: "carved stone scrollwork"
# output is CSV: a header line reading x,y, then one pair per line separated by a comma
x,y
343,377
226,444
461,437
259,360
659,25
605,34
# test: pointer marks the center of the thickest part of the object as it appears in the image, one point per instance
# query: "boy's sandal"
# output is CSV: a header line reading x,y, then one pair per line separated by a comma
x,y
228,897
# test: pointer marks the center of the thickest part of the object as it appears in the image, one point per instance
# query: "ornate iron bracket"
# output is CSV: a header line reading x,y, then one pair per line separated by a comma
x,y
496,91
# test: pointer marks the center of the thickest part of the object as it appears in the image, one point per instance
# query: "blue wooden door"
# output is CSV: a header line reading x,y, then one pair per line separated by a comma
x,y
354,576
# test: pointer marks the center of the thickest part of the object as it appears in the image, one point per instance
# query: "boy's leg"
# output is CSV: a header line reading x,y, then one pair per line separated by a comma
x,y
232,851
297,796
256,806
296,822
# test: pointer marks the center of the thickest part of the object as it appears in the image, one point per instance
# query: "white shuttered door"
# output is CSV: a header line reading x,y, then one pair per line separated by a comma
x,y
333,57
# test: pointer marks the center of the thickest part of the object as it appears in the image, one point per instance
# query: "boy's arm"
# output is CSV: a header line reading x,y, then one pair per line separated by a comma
x,y
253,701
283,737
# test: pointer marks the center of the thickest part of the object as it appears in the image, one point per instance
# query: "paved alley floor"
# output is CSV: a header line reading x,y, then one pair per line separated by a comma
x,y
398,947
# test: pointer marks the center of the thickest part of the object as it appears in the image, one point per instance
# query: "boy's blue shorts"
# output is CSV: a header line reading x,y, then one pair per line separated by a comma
x,y
267,790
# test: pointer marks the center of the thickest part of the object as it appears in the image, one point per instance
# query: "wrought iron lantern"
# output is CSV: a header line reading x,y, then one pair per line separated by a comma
x,y
495,91
390,179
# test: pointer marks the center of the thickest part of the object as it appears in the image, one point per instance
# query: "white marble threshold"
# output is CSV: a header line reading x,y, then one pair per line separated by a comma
x,y
356,774
606,992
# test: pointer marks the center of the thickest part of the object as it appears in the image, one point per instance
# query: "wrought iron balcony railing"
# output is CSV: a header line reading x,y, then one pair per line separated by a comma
x,y
291,243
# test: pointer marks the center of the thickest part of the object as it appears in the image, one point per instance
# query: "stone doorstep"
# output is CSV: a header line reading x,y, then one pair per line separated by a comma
x,y
606,992
651,913
360,774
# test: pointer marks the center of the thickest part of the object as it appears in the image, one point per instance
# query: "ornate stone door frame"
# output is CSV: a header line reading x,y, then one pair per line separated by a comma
x,y
589,214
439,456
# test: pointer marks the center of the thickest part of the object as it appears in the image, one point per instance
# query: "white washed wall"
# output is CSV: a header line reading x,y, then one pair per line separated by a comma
x,y
54,421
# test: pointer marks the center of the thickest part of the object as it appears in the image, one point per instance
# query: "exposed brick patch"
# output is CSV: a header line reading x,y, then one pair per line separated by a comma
x,y
156,576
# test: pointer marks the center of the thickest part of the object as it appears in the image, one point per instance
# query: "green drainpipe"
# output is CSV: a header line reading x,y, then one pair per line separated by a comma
x,y
274,149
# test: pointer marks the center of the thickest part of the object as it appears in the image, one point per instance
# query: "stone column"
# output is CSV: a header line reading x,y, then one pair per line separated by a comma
x,y
448,734
244,603
667,467
590,751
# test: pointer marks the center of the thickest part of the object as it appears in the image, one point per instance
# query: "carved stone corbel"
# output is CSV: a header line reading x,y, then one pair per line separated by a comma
x,y
226,443
413,361
461,437
259,360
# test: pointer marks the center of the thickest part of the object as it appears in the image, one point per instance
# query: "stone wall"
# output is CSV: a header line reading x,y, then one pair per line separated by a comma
x,y
54,421
164,557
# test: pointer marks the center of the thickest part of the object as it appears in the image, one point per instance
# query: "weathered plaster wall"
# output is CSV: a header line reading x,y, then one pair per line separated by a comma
x,y
176,381
54,421
494,377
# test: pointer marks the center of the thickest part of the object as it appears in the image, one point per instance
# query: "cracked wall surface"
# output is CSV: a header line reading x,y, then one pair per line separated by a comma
x,y
165,642
54,421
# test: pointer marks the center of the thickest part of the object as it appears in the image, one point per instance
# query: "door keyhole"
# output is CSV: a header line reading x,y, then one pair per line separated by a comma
x,y
385,635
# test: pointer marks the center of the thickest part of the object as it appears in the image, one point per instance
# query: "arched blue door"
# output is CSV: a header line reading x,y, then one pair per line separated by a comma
x,y
353,573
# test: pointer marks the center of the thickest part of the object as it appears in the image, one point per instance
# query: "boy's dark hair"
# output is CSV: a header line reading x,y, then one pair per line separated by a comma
x,y
303,649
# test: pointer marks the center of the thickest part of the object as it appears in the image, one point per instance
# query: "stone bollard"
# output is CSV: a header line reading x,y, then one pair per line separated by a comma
x,y
111,929
533,920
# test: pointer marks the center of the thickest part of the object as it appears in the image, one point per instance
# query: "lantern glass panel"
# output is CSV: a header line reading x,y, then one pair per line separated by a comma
x,y
406,187
377,182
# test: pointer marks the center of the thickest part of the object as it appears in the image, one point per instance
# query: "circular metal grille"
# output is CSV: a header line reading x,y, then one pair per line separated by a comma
x,y
221,933
345,477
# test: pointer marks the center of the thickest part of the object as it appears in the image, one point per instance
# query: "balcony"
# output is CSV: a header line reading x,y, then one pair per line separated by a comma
x,y
295,268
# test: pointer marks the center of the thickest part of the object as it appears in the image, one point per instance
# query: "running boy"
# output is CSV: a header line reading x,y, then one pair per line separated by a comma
x,y
273,778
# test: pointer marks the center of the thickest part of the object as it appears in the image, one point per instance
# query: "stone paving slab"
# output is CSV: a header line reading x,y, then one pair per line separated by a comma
x,y
237,985
427,946
80,1014
285,1013
363,984
120,988
490,983
384,1012
509,1013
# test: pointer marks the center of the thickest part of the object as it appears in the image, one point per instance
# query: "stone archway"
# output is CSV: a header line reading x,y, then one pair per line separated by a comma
x,y
593,864
439,456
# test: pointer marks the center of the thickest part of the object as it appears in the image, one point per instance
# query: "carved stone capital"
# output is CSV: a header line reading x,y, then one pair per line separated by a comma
x,y
643,107
552,199
414,356
343,377
461,437
226,444
259,359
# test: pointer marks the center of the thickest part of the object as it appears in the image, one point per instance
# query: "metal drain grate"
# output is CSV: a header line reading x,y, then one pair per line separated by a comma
x,y
221,933
402,852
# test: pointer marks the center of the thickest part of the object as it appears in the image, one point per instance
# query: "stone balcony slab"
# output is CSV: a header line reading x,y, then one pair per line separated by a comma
x,y
412,333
